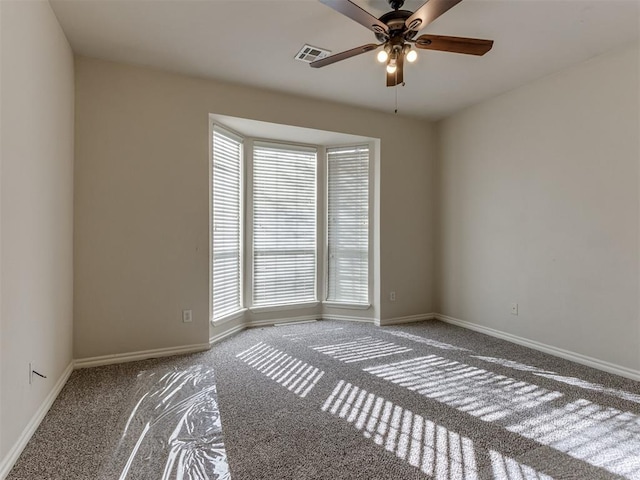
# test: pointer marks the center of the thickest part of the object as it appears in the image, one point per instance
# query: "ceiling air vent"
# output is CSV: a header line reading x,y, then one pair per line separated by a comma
x,y
310,54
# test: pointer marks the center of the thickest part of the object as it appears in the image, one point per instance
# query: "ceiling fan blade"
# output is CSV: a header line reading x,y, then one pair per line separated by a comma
x,y
323,62
428,12
470,46
396,77
354,12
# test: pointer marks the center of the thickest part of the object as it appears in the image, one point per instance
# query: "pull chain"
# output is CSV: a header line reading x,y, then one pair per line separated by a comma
x,y
396,93
396,89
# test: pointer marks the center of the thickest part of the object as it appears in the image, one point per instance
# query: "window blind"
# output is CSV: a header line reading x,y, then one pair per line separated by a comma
x,y
284,224
348,224
227,220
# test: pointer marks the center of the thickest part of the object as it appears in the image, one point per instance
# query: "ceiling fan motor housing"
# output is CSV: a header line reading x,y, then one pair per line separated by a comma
x,y
395,20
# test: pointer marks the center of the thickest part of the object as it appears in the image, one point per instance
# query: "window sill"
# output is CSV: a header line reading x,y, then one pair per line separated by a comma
x,y
229,318
350,306
290,306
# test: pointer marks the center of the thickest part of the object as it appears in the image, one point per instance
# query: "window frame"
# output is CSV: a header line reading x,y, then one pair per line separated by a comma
x,y
213,126
370,215
249,219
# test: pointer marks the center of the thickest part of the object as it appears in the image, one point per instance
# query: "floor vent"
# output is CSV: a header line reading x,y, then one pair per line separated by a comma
x,y
310,54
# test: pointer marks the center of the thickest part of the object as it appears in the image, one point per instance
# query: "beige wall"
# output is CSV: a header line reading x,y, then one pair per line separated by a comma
x,y
142,201
2,448
538,204
36,199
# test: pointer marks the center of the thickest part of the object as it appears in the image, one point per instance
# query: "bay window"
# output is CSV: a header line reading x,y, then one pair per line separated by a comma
x,y
274,206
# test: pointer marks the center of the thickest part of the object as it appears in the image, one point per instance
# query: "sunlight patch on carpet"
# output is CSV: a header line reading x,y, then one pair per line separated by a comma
x,y
297,376
426,341
511,364
602,436
306,335
481,393
433,449
506,468
573,381
361,349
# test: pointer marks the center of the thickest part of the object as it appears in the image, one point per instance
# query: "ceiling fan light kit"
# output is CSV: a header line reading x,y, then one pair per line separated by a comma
x,y
396,30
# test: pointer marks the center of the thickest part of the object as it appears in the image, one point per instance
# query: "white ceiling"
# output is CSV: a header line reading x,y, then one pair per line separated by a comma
x,y
253,42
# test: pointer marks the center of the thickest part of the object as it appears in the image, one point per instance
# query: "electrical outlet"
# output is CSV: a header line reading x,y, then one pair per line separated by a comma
x,y
392,296
514,309
187,316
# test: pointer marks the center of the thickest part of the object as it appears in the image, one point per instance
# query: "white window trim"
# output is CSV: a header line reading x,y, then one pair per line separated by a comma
x,y
229,318
371,219
286,306
321,231
248,224
350,306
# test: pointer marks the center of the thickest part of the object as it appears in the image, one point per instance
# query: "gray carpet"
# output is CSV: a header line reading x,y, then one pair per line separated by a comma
x,y
338,400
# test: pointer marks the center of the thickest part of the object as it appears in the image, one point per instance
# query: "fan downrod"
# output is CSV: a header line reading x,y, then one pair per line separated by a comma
x,y
396,4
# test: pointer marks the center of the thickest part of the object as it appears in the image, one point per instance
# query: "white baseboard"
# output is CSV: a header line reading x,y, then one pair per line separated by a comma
x,y
227,333
550,349
347,318
407,319
12,456
230,318
273,321
141,355
295,322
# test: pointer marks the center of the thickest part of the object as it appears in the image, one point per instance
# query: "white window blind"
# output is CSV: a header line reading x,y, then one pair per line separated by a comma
x,y
284,224
348,224
227,220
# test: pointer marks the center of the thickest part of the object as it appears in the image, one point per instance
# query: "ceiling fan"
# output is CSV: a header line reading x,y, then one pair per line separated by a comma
x,y
396,30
